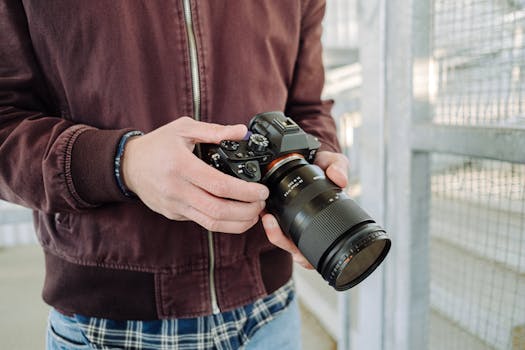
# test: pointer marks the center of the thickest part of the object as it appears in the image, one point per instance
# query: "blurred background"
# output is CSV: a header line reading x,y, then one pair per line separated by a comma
x,y
430,106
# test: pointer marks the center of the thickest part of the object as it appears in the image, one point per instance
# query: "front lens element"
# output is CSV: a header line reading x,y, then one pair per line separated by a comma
x,y
358,267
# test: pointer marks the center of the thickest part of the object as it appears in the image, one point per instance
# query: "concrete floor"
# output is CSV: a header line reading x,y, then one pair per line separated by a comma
x,y
23,314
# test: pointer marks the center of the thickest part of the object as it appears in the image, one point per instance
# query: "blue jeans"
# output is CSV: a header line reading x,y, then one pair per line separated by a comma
x,y
63,334
283,332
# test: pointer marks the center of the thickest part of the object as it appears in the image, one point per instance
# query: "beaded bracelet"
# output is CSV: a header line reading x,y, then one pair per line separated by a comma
x,y
118,159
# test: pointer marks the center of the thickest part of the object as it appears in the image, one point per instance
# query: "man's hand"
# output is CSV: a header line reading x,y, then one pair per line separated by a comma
x,y
162,170
335,166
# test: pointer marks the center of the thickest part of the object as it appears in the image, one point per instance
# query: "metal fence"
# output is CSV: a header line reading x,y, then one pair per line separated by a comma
x,y
477,211
479,55
477,254
443,165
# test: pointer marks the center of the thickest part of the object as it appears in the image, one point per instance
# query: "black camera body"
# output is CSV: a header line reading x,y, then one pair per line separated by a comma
x,y
333,232
273,135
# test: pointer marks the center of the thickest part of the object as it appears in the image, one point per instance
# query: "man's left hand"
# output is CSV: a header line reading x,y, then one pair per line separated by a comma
x,y
335,166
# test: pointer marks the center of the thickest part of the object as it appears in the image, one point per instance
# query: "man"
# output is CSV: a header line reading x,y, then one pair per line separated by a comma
x,y
137,227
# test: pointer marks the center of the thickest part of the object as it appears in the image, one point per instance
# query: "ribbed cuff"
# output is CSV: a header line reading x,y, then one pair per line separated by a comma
x,y
93,166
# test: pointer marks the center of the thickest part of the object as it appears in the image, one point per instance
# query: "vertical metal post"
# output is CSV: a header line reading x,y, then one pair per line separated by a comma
x,y
408,174
343,302
367,299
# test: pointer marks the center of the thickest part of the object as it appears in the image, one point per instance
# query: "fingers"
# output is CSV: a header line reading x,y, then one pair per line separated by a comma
x,y
222,185
337,175
276,236
214,214
220,208
335,166
216,225
201,132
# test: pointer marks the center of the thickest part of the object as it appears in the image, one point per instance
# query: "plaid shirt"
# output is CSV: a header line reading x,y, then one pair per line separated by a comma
x,y
227,330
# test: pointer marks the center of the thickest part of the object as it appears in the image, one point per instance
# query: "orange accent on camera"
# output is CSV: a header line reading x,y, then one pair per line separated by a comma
x,y
277,160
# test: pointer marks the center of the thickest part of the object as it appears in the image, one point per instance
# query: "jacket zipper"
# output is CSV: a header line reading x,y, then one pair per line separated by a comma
x,y
196,90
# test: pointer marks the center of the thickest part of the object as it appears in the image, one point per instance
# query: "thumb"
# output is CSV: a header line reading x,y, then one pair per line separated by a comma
x,y
337,175
201,132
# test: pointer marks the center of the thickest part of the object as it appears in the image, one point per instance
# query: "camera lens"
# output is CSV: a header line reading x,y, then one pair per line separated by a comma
x,y
334,233
360,264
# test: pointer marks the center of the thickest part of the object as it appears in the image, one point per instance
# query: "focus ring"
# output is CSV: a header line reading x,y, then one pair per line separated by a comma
x,y
329,225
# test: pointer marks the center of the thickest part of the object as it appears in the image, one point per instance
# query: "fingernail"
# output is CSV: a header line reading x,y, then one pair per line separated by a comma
x,y
341,170
262,204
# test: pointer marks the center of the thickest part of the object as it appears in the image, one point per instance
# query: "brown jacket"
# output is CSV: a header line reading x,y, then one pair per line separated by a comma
x,y
76,75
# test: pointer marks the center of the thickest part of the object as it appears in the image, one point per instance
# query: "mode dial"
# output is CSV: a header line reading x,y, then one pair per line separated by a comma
x,y
258,143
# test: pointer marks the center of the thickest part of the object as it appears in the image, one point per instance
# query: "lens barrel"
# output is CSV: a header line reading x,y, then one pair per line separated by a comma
x,y
335,234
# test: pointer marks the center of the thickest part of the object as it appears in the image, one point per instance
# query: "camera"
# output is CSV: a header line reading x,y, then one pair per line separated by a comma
x,y
336,235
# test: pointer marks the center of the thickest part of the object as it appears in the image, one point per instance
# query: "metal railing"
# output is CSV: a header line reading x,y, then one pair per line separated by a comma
x,y
443,92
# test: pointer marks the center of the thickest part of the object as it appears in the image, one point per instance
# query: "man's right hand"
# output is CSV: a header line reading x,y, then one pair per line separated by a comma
x,y
162,170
